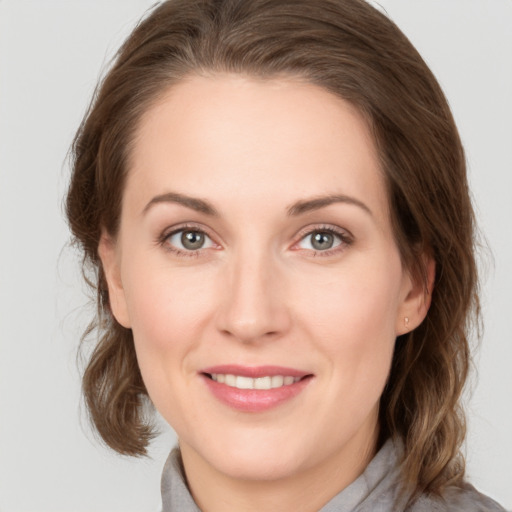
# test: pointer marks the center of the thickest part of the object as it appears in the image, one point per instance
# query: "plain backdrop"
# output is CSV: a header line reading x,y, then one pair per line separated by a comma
x,y
51,55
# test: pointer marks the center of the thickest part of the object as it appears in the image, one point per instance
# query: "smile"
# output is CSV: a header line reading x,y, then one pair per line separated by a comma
x,y
255,389
264,383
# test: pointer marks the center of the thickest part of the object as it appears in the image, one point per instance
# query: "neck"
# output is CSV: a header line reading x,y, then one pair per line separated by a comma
x,y
307,490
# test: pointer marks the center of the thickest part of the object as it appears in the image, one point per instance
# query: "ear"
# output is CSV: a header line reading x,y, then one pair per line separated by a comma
x,y
417,297
109,256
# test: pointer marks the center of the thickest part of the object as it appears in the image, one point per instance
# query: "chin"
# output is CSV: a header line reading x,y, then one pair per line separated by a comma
x,y
261,456
262,466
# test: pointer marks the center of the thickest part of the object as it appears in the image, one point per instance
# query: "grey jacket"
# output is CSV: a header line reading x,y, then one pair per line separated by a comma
x,y
374,491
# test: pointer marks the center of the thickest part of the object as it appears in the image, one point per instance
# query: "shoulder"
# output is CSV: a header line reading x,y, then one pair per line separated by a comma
x,y
465,498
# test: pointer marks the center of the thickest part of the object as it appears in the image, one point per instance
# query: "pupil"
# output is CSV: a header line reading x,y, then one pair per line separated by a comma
x,y
192,240
322,241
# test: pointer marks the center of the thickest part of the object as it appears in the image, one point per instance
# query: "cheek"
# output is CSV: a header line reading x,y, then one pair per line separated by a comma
x,y
358,306
165,306
352,320
168,312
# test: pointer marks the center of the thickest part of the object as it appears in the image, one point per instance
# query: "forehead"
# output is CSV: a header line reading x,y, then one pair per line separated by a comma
x,y
229,136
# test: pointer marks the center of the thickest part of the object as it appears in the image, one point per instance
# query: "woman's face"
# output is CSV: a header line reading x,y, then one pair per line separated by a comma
x,y
255,248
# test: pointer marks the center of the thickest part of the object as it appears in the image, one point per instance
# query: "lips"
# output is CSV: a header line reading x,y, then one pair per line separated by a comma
x,y
254,389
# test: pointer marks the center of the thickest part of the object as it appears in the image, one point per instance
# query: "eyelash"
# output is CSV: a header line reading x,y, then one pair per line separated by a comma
x,y
345,238
163,240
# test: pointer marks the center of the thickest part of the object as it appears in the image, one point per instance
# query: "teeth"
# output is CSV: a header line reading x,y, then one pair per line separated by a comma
x,y
241,382
263,383
288,380
244,382
230,380
277,381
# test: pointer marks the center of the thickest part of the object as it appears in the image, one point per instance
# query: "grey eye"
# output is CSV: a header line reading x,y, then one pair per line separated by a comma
x,y
320,241
190,240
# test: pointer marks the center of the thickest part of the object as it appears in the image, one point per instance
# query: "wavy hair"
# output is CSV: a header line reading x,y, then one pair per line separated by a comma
x,y
354,51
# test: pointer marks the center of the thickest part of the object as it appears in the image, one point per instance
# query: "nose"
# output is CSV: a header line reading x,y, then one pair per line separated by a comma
x,y
252,303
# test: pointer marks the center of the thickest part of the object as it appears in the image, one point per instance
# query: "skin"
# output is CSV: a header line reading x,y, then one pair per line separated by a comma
x,y
257,292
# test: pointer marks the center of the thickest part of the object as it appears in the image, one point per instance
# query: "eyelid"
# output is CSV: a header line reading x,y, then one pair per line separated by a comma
x,y
343,234
187,226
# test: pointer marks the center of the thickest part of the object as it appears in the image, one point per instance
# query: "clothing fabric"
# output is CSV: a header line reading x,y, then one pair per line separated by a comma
x,y
374,491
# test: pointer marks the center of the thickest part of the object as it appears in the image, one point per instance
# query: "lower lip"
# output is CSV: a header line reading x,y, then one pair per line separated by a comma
x,y
255,400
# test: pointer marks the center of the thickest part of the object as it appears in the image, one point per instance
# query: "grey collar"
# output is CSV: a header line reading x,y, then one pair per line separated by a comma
x,y
376,490
367,491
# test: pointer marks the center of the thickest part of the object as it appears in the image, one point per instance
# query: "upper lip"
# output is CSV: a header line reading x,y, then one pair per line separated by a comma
x,y
254,371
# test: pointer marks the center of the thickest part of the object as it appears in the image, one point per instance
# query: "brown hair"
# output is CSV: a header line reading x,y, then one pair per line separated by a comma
x,y
354,51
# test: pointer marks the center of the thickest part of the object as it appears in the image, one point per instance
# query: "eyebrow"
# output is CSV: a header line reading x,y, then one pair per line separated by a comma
x,y
317,203
298,208
199,205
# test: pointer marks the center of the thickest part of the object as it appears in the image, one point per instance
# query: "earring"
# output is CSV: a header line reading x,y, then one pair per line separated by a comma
x,y
406,320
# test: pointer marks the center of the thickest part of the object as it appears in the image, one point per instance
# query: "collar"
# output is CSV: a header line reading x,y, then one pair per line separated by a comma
x,y
375,489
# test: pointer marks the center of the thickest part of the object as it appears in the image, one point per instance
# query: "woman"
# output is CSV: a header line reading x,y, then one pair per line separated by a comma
x,y
273,195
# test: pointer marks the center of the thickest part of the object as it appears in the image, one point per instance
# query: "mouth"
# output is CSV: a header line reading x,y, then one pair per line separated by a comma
x,y
255,389
263,383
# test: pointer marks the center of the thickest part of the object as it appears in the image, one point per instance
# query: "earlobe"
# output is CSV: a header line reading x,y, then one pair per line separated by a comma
x,y
111,267
416,304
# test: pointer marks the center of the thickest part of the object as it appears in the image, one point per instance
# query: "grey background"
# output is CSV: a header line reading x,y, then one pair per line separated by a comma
x,y
51,54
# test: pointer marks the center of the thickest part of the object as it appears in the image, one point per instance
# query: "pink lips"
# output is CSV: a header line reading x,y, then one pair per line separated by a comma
x,y
254,400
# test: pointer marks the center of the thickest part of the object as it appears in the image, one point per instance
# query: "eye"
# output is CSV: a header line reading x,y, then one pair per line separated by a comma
x,y
322,240
189,240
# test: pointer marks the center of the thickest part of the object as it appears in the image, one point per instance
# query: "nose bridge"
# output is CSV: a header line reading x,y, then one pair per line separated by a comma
x,y
253,305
